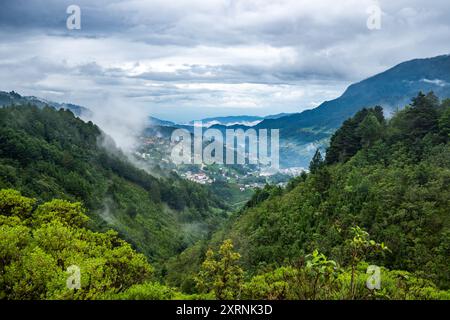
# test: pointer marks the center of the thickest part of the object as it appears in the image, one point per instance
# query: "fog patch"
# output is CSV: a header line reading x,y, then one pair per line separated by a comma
x,y
120,120
106,213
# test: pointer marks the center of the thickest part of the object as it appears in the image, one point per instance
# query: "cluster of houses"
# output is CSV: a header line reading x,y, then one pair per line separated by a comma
x,y
201,177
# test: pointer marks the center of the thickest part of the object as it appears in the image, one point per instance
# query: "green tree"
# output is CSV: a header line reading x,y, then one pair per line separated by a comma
x,y
369,130
38,245
13,204
316,162
221,273
444,122
359,247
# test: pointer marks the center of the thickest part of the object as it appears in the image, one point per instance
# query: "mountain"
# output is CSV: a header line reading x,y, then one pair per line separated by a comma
x,y
152,121
10,98
45,154
387,179
380,198
246,121
302,133
278,115
230,120
390,89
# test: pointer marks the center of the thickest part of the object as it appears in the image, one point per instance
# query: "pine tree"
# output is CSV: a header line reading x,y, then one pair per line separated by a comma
x,y
221,274
316,162
369,130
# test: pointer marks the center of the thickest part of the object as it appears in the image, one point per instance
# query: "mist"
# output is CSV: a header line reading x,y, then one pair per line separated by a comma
x,y
121,121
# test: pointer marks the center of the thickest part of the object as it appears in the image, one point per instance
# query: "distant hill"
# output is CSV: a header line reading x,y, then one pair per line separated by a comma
x,y
152,121
390,89
278,115
10,98
302,133
237,120
230,120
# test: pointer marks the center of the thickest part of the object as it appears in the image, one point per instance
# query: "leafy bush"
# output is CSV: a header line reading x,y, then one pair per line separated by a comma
x,y
38,245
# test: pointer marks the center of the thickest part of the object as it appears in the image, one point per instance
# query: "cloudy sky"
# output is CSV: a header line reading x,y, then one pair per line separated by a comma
x,y
187,59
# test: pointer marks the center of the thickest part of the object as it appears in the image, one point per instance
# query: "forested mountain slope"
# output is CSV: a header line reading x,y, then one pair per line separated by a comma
x,y
390,89
301,132
13,98
48,154
307,241
389,177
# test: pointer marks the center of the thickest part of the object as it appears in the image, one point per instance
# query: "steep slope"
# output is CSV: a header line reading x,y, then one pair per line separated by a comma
x,y
303,132
391,178
152,121
46,153
390,89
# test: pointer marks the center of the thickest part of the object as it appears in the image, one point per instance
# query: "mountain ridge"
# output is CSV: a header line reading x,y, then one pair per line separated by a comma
x,y
430,68
311,129
12,98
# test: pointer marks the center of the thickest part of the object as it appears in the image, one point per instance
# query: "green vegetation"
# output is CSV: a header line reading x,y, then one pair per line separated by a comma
x,y
39,243
221,275
380,197
386,178
48,154
314,277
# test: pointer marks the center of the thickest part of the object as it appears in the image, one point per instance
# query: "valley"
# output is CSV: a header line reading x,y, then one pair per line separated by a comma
x,y
359,185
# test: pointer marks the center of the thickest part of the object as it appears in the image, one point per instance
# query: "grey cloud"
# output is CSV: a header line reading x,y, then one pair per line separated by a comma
x,y
165,54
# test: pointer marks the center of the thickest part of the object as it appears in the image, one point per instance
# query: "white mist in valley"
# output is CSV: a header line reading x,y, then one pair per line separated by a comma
x,y
121,121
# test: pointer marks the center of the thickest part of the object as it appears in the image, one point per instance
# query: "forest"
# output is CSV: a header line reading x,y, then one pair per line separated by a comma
x,y
389,178
370,220
47,154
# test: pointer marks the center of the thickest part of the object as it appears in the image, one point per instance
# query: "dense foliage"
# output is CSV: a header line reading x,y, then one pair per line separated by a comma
x,y
389,177
314,276
379,198
46,153
40,243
